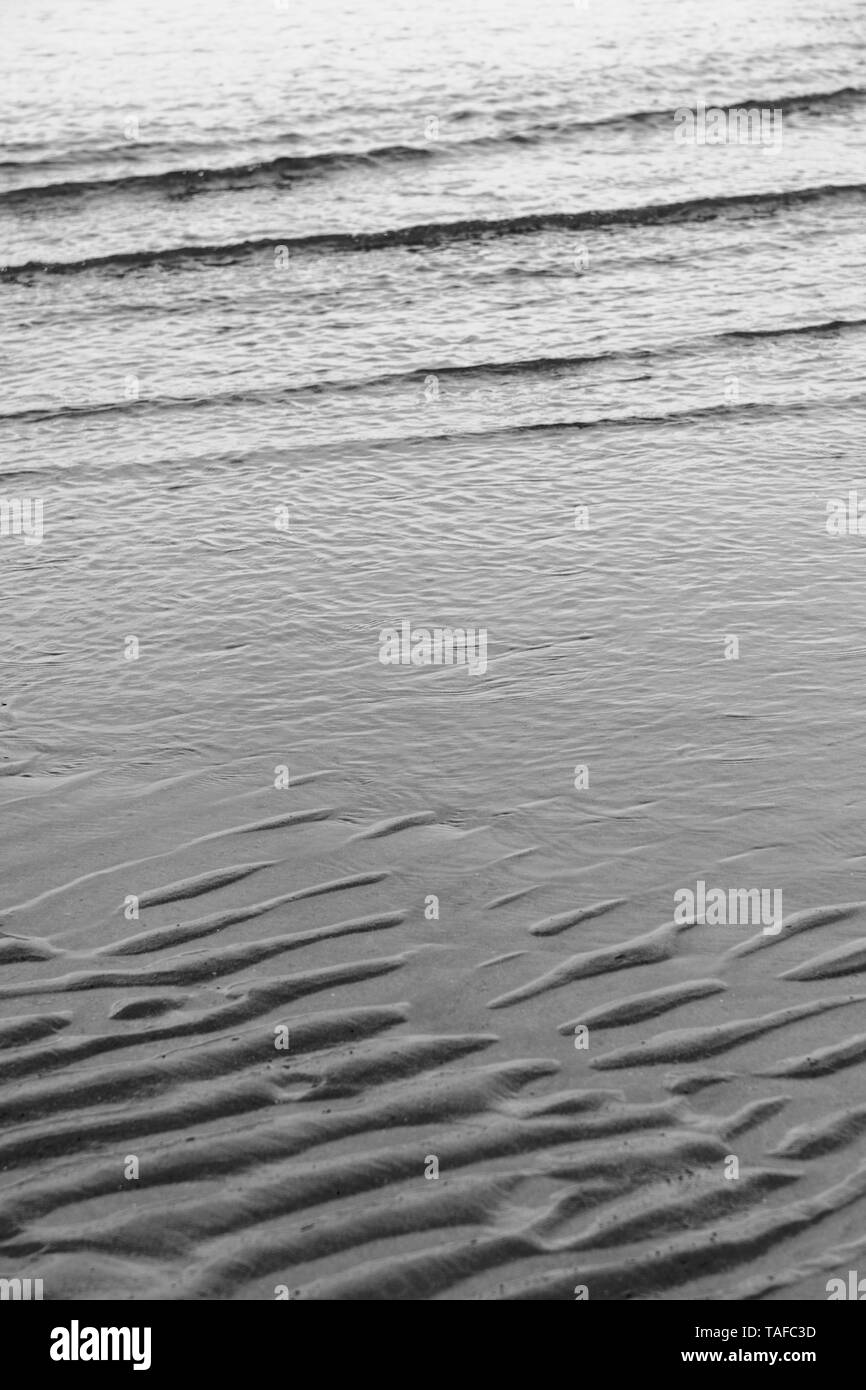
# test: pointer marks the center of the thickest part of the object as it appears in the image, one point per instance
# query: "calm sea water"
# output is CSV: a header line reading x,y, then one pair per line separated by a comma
x,y
431,277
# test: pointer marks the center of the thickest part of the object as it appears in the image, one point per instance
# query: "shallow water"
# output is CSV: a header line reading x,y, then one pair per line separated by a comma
x,y
245,273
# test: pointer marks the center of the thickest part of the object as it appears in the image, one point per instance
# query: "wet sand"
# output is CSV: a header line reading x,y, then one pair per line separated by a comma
x,y
268,1170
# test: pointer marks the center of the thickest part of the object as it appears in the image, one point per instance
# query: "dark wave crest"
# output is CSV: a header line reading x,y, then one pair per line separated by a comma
x,y
433,234
179,183
521,367
287,169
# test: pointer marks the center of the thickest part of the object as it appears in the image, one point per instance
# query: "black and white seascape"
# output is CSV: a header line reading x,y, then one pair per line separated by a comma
x,y
432,530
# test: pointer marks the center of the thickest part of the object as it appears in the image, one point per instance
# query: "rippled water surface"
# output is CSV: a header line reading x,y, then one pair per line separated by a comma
x,y
436,283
